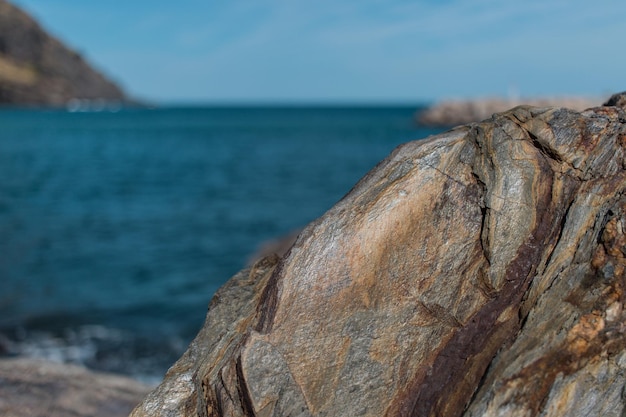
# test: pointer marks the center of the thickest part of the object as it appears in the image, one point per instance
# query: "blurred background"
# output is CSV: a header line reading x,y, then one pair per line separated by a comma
x,y
148,149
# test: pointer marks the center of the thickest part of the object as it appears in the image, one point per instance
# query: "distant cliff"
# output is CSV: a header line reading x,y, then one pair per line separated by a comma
x,y
37,69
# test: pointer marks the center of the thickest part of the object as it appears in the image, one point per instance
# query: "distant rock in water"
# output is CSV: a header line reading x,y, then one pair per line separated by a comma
x,y
37,69
480,272
450,113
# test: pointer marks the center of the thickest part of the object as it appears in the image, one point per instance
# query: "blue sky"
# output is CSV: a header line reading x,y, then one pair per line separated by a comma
x,y
345,51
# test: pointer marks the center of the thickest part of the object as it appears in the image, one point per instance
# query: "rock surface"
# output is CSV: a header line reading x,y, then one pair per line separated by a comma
x,y
456,112
36,69
480,272
31,388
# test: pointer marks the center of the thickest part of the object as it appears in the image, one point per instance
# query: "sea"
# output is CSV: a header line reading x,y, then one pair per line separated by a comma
x,y
117,226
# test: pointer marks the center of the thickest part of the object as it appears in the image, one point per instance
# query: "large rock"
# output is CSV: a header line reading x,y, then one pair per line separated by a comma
x,y
32,388
37,69
480,272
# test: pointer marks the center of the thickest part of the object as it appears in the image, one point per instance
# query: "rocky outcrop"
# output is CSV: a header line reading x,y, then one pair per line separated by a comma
x,y
455,112
36,69
480,272
32,388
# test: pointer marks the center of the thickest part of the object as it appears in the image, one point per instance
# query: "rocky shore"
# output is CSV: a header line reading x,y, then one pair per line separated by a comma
x,y
38,70
33,388
450,113
480,272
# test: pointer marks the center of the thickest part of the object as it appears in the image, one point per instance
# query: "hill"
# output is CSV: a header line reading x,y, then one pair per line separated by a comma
x,y
37,69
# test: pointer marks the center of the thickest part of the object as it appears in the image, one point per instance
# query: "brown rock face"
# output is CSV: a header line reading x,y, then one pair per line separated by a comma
x,y
36,69
480,272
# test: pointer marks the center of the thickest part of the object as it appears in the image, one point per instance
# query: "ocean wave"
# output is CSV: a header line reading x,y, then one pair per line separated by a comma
x,y
96,347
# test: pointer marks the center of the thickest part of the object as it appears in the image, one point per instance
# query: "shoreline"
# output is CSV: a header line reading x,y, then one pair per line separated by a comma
x,y
452,112
35,387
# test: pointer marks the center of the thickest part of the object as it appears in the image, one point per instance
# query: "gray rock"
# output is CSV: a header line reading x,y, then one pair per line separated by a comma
x,y
480,272
32,388
618,100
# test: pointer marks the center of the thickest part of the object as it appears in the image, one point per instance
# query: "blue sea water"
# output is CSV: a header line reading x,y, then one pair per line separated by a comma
x,y
117,227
